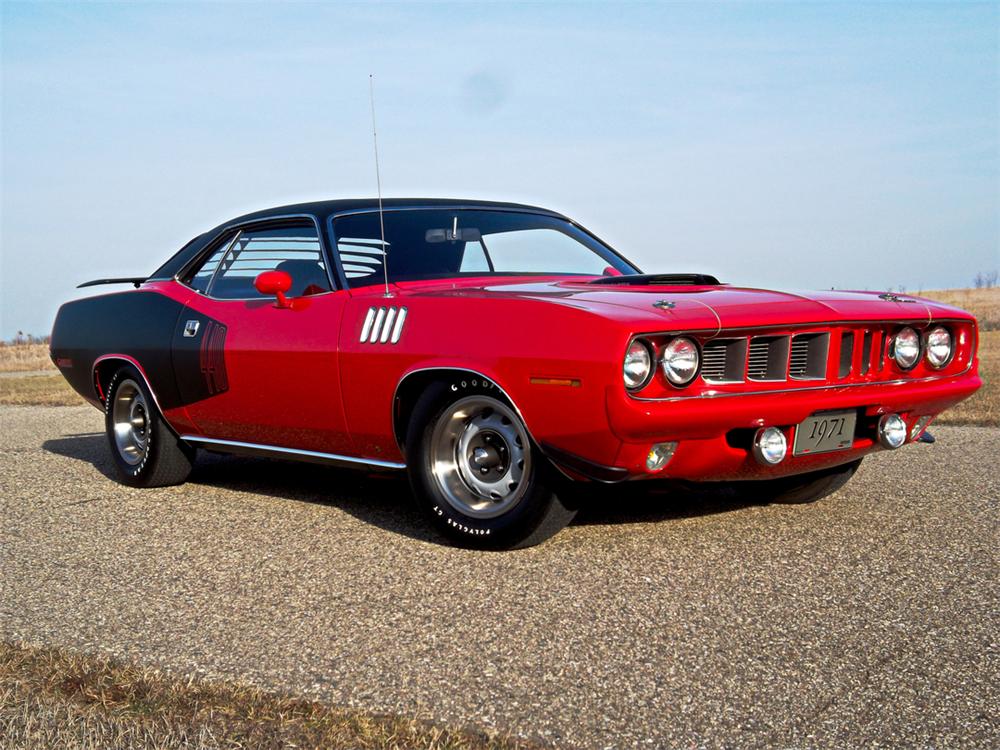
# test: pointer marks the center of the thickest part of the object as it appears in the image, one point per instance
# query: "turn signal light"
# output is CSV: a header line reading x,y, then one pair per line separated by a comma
x,y
659,455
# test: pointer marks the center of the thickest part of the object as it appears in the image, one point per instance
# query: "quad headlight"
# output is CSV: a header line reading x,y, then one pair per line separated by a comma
x,y
638,365
680,360
939,347
906,348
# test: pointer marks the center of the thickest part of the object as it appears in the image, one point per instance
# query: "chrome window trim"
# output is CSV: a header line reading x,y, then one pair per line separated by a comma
x,y
279,452
215,273
241,225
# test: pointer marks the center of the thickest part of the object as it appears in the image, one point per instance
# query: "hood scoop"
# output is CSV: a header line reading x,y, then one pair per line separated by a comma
x,y
657,279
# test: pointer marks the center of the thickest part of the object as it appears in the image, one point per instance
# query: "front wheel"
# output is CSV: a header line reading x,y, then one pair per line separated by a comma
x,y
476,473
146,452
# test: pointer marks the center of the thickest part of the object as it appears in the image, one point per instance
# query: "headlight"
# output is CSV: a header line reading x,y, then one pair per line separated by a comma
x,y
938,347
906,348
638,365
680,361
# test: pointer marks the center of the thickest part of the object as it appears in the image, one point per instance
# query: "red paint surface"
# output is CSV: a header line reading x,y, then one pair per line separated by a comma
x,y
299,377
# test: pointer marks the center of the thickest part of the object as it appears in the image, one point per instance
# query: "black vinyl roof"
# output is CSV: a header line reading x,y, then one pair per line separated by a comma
x,y
323,209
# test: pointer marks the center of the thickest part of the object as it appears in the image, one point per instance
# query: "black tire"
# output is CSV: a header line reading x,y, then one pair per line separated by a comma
x,y
453,417
145,451
799,489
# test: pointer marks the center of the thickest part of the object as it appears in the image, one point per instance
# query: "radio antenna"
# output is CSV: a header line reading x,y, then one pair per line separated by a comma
x,y
378,182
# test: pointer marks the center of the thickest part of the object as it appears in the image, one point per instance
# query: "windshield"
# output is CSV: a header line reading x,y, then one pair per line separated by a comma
x,y
438,244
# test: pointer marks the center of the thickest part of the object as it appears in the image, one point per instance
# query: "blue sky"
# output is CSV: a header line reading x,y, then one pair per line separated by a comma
x,y
790,145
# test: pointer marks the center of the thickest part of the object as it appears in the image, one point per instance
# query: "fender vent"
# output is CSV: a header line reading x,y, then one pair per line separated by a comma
x,y
382,325
213,358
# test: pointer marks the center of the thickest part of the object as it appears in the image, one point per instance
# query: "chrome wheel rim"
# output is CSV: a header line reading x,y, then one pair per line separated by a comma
x,y
130,418
480,457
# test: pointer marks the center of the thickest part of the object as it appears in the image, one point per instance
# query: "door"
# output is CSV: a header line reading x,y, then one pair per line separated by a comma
x,y
254,372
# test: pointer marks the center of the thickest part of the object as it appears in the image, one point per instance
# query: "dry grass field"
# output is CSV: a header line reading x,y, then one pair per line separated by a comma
x,y
25,357
982,409
55,698
983,303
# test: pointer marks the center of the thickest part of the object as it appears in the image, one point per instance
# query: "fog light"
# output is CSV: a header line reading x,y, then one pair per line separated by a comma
x,y
891,430
659,455
918,427
769,446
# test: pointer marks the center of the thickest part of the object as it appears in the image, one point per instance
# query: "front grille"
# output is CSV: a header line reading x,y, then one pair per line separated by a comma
x,y
846,354
713,361
802,356
807,360
798,361
722,360
768,358
866,353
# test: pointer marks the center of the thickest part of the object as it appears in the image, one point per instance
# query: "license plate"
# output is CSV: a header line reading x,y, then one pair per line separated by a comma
x,y
826,432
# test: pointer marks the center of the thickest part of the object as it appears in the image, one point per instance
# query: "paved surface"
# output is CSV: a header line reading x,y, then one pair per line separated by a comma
x,y
869,618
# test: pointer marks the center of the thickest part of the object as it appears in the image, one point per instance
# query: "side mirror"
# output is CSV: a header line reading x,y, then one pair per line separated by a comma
x,y
276,283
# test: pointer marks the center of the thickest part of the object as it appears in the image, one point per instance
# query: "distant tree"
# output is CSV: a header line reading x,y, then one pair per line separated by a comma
x,y
986,279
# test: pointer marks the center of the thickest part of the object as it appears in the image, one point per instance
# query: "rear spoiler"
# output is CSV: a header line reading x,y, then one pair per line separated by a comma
x,y
97,282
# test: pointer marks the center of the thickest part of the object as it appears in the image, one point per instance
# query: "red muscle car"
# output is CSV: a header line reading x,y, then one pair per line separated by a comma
x,y
503,356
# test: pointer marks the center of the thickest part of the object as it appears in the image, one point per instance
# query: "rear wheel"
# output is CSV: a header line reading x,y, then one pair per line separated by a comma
x,y
476,473
146,452
799,489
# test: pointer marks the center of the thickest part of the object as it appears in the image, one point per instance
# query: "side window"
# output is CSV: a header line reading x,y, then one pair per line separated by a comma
x,y
201,277
294,250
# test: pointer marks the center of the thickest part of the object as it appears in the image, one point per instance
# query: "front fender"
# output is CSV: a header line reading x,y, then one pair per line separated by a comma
x,y
553,363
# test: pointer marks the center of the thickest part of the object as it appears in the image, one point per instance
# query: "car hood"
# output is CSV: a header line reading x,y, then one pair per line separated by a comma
x,y
668,307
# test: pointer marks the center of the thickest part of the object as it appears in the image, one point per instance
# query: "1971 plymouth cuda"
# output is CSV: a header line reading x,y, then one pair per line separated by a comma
x,y
505,357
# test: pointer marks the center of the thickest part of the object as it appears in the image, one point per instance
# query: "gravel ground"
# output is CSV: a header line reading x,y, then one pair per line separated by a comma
x,y
869,618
